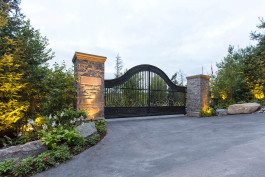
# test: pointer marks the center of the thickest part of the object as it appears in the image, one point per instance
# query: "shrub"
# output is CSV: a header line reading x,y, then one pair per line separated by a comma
x,y
52,158
241,74
62,154
7,141
33,165
207,112
59,136
94,139
70,117
101,126
24,167
60,90
7,166
44,160
78,149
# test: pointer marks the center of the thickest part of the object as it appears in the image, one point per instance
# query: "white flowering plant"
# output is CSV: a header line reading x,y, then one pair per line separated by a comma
x,y
35,128
67,118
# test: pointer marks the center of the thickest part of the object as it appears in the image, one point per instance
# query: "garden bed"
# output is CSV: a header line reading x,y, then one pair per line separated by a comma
x,y
55,147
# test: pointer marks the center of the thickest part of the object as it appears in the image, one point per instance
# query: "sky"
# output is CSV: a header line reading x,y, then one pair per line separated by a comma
x,y
173,35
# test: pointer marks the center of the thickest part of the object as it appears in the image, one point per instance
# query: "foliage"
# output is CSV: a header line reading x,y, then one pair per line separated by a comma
x,y
93,139
59,136
29,51
6,141
158,93
12,109
70,117
254,69
11,77
28,87
67,118
178,78
24,167
230,83
51,158
129,95
31,165
22,51
207,112
7,166
134,92
59,90
101,126
241,75
62,143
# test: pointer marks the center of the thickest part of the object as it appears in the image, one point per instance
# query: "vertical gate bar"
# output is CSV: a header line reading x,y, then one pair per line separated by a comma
x,y
149,94
146,89
107,95
145,101
140,90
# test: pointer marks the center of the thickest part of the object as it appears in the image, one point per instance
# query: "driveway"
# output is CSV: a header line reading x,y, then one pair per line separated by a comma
x,y
231,146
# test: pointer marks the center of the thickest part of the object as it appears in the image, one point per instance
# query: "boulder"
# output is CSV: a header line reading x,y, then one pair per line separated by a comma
x,y
221,112
244,108
22,151
86,129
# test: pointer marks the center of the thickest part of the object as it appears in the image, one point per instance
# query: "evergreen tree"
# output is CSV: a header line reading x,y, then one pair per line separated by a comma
x,y
118,66
254,64
29,50
12,109
230,86
241,75
178,78
59,90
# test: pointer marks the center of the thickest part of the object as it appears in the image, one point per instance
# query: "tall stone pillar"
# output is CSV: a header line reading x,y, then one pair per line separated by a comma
x,y
197,94
89,74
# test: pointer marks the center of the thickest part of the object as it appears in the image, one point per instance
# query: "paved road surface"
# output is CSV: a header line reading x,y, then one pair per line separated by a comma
x,y
232,146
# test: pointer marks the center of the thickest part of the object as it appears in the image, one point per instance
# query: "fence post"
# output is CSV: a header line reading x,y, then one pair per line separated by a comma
x,y
197,94
89,74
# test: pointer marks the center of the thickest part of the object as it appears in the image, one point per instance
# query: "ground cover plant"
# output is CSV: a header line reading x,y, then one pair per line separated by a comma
x,y
62,145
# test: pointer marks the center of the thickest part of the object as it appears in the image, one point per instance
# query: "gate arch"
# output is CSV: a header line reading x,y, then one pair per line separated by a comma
x,y
142,91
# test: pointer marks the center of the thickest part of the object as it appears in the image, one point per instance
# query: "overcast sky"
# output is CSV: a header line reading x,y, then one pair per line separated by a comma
x,y
170,34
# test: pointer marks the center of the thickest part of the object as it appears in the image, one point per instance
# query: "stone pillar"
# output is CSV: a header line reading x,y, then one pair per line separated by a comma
x,y
197,94
89,74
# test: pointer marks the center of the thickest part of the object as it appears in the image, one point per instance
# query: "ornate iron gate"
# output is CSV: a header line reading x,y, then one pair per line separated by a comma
x,y
143,90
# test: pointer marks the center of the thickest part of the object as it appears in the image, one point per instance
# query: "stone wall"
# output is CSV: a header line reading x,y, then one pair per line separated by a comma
x,y
197,94
89,74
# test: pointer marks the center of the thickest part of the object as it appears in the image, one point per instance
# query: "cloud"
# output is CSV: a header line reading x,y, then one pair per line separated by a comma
x,y
171,34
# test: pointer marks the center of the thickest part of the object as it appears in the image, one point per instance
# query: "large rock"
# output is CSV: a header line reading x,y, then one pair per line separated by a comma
x,y
244,108
86,129
24,150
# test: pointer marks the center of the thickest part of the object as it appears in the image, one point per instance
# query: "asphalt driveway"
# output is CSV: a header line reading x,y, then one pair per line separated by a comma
x,y
231,146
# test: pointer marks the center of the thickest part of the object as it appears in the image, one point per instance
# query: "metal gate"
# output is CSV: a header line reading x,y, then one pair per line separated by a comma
x,y
143,90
